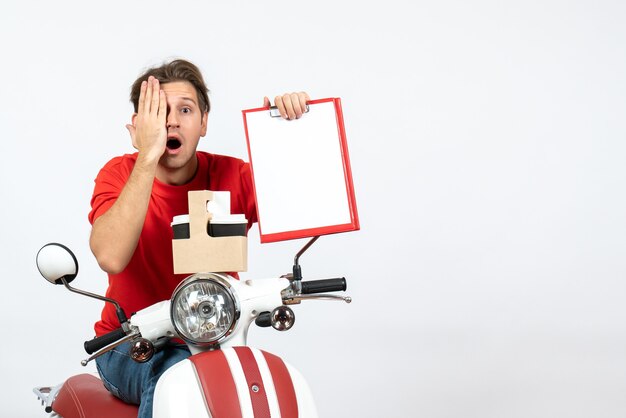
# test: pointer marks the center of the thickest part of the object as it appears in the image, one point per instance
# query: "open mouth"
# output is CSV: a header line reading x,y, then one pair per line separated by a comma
x,y
173,143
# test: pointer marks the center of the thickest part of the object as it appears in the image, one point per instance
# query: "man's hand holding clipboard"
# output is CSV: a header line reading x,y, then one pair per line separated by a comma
x,y
290,106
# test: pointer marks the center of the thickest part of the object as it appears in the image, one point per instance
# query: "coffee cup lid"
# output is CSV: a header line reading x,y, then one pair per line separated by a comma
x,y
229,219
180,219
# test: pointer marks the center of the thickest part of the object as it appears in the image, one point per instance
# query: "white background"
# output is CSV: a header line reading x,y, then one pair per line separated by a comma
x,y
487,142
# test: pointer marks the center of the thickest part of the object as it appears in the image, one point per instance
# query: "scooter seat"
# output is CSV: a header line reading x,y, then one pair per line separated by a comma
x,y
84,396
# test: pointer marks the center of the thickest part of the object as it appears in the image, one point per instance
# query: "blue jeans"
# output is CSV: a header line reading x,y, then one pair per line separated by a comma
x,y
134,382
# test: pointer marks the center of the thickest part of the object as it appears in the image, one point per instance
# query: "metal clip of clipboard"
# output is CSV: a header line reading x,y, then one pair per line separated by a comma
x,y
276,114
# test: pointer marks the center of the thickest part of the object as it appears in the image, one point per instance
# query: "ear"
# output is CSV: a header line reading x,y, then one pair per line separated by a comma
x,y
205,119
133,119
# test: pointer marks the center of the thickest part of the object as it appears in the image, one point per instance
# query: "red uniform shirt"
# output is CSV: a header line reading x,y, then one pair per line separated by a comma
x,y
149,276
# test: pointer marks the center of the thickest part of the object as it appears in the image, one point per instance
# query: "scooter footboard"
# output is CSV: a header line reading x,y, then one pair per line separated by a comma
x,y
233,382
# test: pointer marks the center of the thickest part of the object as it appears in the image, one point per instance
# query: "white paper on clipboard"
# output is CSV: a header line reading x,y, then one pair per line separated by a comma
x,y
301,172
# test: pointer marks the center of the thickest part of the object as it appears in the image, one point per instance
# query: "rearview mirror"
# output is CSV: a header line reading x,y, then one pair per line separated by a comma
x,y
55,262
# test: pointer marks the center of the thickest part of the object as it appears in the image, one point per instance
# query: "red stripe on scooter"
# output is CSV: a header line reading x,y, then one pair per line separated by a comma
x,y
283,384
217,383
260,406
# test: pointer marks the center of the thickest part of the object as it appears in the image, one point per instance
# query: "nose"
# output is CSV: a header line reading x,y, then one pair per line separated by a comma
x,y
172,120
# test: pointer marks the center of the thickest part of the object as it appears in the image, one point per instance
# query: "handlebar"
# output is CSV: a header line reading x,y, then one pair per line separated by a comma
x,y
324,285
102,341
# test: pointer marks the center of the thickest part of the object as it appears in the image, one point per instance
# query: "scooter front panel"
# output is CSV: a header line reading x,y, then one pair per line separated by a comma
x,y
250,386
178,393
217,384
306,403
275,372
249,383
239,382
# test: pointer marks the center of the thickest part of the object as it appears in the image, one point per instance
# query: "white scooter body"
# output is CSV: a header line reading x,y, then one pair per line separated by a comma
x,y
235,380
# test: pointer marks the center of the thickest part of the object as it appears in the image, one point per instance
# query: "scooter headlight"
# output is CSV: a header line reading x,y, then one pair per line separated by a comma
x,y
204,309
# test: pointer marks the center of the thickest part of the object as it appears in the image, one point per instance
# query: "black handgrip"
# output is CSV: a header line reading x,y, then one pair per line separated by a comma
x,y
325,285
264,319
102,341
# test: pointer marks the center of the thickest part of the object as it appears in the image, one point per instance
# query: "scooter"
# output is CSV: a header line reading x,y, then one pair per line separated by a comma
x,y
211,313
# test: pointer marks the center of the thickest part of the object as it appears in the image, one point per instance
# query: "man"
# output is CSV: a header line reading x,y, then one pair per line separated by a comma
x,y
135,198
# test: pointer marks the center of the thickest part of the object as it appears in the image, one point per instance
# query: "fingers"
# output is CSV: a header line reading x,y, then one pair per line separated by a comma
x,y
278,102
151,97
292,105
303,98
142,97
162,107
156,95
266,102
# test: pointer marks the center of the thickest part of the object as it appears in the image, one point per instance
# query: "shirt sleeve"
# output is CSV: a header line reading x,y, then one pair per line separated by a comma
x,y
108,186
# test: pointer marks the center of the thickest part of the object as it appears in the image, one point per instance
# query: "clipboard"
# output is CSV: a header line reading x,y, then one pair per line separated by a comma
x,y
301,172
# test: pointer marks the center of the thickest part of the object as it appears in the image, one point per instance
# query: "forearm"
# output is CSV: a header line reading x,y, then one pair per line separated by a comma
x,y
115,233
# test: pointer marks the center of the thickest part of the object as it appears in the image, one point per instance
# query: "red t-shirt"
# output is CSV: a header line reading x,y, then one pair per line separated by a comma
x,y
149,276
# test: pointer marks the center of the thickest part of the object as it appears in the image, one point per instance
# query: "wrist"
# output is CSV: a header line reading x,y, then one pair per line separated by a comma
x,y
147,161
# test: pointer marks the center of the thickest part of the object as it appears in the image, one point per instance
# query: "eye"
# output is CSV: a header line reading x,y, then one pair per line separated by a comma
x,y
186,110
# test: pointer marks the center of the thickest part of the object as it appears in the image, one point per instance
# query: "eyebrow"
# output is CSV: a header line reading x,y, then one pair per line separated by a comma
x,y
184,99
189,99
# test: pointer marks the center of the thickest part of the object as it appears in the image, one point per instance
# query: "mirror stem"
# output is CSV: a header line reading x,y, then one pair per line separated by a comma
x,y
297,270
118,309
